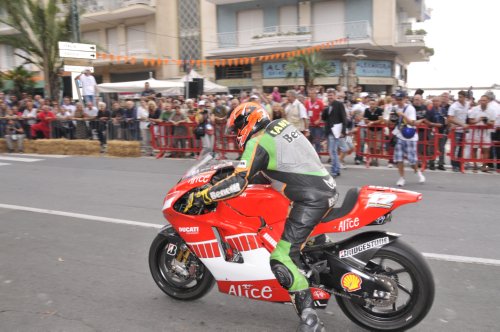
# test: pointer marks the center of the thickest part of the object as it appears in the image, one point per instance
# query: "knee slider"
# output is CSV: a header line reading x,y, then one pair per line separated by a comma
x,y
282,274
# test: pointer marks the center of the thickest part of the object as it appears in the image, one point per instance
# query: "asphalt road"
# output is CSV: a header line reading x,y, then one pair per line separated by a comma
x,y
60,273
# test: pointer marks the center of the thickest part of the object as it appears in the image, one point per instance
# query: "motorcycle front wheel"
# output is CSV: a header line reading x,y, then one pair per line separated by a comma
x,y
181,276
406,268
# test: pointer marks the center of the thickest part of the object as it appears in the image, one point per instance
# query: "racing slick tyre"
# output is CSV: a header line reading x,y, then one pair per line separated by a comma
x,y
179,274
406,268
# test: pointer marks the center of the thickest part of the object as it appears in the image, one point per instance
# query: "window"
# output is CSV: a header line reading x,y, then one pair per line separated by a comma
x,y
112,39
136,39
228,72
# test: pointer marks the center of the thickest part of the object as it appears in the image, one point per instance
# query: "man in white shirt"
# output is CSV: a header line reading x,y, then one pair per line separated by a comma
x,y
68,106
90,112
457,117
407,138
89,86
495,135
296,113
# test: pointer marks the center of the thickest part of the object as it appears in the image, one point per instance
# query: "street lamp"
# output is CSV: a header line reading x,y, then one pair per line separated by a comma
x,y
349,67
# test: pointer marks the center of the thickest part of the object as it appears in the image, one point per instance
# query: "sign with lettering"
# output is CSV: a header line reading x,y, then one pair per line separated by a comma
x,y
278,70
374,68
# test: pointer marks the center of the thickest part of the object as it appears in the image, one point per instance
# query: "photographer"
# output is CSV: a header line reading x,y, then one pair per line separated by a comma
x,y
14,132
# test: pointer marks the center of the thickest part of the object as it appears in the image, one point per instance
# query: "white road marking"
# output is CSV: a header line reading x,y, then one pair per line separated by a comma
x,y
462,259
25,160
441,257
39,155
80,216
4,164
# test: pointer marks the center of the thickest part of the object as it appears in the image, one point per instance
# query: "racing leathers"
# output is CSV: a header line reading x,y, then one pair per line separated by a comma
x,y
285,156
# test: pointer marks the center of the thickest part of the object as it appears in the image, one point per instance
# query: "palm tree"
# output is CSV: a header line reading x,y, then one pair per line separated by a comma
x,y
22,79
314,66
39,27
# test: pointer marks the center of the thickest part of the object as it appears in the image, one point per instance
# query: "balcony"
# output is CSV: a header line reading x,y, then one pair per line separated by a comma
x,y
115,9
406,35
285,37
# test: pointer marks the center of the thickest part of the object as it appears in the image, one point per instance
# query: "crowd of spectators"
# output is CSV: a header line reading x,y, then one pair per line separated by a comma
x,y
372,115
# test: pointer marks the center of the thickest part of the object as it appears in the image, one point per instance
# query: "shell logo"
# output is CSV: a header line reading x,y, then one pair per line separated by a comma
x,y
351,282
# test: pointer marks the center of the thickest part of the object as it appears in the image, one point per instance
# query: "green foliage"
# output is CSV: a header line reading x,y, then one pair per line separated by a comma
x,y
314,67
22,79
40,26
429,51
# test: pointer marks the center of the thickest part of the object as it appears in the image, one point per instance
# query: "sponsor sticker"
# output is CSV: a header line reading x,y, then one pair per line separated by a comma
x,y
199,179
251,292
171,249
381,200
242,164
278,128
363,247
348,224
319,294
234,188
351,282
189,230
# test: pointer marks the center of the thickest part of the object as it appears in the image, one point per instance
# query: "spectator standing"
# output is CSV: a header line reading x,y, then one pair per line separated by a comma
x,y
335,119
457,117
420,110
276,95
90,113
436,117
68,106
178,119
314,108
204,118
43,127
278,112
14,133
373,116
131,123
117,114
296,113
495,134
484,116
29,118
147,91
80,126
103,116
406,143
61,126
89,86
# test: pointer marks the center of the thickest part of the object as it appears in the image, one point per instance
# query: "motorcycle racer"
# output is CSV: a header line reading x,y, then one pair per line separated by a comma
x,y
284,155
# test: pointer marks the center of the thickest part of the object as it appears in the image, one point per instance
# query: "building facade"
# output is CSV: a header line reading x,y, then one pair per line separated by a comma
x,y
380,39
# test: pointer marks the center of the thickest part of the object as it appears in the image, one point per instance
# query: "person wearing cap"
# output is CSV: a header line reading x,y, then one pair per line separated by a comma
x,y
406,138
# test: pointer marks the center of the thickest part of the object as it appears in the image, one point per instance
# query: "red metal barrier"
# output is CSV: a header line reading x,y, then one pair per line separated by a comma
x,y
167,137
224,143
473,147
373,142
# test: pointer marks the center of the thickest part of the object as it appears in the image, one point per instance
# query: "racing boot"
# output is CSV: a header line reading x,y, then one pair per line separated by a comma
x,y
309,320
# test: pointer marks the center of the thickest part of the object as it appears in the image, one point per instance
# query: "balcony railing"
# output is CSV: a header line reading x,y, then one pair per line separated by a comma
x,y
135,47
356,30
407,35
95,6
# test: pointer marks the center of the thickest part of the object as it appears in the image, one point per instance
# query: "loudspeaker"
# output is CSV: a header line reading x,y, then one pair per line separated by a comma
x,y
193,90
199,83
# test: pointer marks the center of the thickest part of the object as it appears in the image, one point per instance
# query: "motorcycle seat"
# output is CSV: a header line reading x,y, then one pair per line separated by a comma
x,y
348,204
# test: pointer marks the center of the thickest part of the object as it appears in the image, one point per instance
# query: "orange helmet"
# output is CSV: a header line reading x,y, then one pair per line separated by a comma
x,y
245,120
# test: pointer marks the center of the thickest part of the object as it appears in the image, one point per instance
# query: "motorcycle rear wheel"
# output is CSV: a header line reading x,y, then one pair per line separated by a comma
x,y
165,272
415,283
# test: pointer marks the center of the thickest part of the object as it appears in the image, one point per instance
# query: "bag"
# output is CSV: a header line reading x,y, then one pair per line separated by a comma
x,y
406,130
13,137
199,131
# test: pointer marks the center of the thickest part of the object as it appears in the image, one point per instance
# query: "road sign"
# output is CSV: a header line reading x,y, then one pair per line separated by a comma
x,y
78,69
77,47
77,50
77,54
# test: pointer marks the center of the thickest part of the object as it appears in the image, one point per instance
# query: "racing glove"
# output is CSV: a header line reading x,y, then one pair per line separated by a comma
x,y
198,199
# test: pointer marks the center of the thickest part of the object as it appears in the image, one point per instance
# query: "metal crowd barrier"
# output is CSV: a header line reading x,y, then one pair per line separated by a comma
x,y
374,142
224,143
167,137
467,145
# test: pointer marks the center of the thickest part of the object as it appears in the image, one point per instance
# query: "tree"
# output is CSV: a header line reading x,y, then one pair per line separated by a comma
x,y
314,66
22,79
39,27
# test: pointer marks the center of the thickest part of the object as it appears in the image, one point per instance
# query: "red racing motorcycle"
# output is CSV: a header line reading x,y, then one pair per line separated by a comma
x,y
379,282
